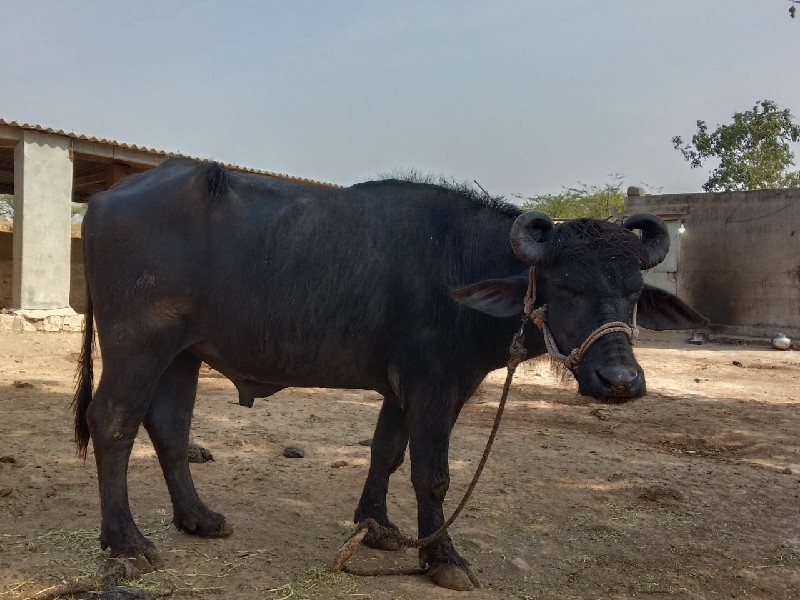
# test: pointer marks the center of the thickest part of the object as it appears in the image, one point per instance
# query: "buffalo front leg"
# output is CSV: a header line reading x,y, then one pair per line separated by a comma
x,y
386,455
168,421
430,476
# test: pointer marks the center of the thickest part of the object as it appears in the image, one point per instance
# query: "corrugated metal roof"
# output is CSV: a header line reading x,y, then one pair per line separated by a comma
x,y
157,152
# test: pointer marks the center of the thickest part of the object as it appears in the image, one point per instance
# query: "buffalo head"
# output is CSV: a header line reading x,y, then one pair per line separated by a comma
x,y
589,273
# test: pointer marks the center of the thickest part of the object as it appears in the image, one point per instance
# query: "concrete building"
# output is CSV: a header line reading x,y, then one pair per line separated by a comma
x,y
41,274
735,257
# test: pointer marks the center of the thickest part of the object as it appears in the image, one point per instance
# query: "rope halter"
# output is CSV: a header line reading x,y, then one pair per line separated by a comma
x,y
538,316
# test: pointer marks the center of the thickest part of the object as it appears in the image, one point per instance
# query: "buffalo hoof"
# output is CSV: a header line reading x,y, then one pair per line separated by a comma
x,y
125,567
221,531
453,577
205,523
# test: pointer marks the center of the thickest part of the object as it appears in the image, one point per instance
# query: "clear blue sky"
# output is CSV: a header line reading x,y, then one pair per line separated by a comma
x,y
525,96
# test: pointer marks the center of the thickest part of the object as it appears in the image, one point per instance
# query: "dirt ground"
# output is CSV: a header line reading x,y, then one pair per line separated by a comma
x,y
692,492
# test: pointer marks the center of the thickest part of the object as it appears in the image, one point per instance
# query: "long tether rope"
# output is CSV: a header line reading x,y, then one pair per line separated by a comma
x,y
538,316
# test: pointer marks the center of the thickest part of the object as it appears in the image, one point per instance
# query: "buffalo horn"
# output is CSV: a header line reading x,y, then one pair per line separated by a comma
x,y
655,237
530,250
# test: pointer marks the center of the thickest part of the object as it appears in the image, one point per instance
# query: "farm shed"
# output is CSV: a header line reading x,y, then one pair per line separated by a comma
x,y
41,258
737,259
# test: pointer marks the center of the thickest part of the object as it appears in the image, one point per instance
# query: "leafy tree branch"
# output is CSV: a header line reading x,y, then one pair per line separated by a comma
x,y
593,201
753,151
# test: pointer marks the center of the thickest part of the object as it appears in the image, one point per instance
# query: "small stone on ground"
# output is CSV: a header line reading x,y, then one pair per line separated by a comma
x,y
293,452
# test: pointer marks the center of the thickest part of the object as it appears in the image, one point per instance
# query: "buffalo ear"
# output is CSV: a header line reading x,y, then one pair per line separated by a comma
x,y
496,297
660,310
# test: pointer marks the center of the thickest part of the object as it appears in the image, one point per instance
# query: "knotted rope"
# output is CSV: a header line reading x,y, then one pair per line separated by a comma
x,y
538,316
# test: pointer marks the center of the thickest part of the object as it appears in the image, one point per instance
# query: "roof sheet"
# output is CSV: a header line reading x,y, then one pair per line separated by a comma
x,y
157,152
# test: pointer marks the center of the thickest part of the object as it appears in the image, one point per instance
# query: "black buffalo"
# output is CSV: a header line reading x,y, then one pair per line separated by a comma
x,y
409,289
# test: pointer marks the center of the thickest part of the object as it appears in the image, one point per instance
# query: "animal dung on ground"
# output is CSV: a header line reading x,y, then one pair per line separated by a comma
x,y
198,454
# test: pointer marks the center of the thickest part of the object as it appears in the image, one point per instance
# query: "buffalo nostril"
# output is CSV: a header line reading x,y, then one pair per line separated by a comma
x,y
618,376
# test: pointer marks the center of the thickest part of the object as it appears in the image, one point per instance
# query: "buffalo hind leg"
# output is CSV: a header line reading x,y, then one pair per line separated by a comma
x,y
429,428
168,421
114,416
386,455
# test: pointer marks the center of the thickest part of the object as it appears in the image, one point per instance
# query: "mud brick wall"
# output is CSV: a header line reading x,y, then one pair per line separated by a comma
x,y
739,258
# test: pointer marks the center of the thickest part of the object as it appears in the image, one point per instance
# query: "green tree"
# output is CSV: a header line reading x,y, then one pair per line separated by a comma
x,y
79,208
753,151
6,205
593,201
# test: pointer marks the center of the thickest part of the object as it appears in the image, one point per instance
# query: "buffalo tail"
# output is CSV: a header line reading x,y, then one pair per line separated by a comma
x,y
85,381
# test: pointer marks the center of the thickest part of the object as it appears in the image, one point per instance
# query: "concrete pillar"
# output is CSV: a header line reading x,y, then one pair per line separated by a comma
x,y
42,195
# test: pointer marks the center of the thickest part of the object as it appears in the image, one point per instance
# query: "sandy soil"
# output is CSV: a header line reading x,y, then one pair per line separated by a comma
x,y
691,492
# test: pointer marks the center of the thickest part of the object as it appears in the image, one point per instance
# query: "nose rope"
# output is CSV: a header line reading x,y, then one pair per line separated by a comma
x,y
538,316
